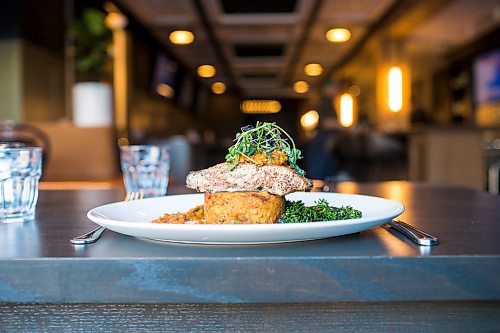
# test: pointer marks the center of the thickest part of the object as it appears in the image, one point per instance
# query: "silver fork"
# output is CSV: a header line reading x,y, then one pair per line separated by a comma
x,y
92,236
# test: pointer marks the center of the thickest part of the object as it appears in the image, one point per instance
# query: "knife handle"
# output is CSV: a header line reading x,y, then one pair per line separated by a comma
x,y
416,235
89,237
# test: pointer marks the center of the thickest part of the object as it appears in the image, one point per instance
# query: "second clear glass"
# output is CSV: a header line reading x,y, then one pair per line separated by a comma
x,y
145,169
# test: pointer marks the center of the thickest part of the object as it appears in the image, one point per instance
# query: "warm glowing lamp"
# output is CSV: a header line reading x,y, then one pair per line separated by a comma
x,y
165,90
309,120
301,87
338,35
181,37
274,106
260,106
346,110
218,88
313,69
116,21
206,71
395,85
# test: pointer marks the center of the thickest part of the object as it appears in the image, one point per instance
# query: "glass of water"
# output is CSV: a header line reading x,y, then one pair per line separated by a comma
x,y
145,169
20,171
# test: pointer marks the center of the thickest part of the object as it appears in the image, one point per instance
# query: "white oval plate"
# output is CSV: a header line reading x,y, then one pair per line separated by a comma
x,y
133,218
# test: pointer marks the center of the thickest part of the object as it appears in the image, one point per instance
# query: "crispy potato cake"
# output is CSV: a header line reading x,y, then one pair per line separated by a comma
x,y
243,207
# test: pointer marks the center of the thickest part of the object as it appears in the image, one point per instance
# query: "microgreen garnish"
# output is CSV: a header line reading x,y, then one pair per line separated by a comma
x,y
297,212
263,138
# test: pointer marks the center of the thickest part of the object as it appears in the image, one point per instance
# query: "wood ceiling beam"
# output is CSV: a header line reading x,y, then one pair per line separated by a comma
x,y
301,41
410,15
483,43
214,41
135,24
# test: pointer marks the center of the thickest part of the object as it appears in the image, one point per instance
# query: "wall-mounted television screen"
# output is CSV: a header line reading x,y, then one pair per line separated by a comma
x,y
487,78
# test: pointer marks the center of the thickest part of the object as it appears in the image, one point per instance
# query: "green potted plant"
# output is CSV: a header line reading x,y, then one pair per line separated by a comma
x,y
92,93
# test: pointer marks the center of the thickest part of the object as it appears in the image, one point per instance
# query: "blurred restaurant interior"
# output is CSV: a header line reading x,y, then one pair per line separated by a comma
x,y
371,90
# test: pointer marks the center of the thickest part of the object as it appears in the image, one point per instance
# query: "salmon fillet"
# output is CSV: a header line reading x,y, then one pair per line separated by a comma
x,y
275,179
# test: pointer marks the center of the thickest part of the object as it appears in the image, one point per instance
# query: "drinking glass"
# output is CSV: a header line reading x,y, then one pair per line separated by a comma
x,y
20,171
145,169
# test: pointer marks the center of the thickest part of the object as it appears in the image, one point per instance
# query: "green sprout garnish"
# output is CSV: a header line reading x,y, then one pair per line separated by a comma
x,y
297,212
263,138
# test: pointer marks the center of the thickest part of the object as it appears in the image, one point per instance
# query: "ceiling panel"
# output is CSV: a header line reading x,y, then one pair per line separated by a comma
x,y
299,27
257,27
162,13
258,6
359,12
457,24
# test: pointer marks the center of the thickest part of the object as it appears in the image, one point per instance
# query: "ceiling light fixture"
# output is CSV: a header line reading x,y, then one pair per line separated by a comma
x,y
346,110
313,69
218,88
206,71
181,37
338,35
395,87
301,87
260,106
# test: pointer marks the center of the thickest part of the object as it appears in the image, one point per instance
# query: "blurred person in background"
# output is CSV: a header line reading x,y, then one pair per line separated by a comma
x,y
418,115
321,153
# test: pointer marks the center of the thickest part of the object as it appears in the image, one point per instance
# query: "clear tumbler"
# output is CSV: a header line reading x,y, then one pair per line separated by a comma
x,y
20,171
145,169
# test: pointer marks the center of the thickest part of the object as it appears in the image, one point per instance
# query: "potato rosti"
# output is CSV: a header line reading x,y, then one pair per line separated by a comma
x,y
243,207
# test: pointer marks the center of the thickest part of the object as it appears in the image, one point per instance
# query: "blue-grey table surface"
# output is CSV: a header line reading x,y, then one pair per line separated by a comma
x,y
373,281
38,264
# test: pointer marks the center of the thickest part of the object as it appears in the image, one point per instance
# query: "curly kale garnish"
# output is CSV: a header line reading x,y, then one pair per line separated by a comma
x,y
296,212
263,138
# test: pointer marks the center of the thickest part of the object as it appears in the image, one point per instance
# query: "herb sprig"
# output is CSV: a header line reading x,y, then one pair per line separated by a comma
x,y
297,211
263,138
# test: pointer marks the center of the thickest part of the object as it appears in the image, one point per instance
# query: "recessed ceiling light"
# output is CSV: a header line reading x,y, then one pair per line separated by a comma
x,y
181,37
206,71
301,87
218,88
313,69
338,35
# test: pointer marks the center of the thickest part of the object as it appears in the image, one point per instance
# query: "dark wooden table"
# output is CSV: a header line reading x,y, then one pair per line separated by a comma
x,y
372,281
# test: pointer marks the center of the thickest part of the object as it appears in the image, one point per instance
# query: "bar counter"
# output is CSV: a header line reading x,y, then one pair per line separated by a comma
x,y
376,280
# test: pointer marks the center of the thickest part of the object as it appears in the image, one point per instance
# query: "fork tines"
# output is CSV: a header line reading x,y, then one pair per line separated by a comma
x,y
134,196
